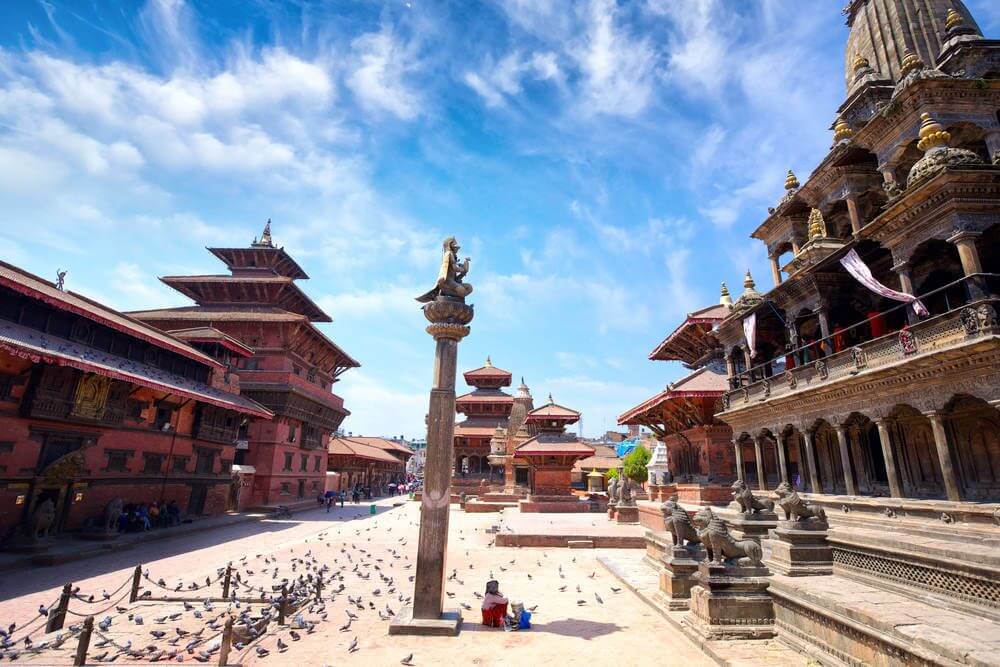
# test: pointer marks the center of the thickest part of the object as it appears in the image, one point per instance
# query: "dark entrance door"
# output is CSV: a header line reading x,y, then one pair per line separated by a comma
x,y
302,488
196,504
521,476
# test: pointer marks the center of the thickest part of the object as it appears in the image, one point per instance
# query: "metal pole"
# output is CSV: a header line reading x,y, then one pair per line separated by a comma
x,y
84,645
58,616
136,579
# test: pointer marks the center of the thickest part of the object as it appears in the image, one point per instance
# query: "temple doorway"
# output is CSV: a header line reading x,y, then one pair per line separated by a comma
x,y
196,502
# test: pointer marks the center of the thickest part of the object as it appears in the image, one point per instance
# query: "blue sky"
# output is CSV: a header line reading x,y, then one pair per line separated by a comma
x,y
603,163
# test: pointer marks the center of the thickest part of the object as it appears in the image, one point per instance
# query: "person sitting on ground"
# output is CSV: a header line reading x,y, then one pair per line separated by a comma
x,y
154,514
142,516
494,605
173,513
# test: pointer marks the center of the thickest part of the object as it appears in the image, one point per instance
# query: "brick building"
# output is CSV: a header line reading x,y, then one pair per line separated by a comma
x,y
292,369
372,462
97,406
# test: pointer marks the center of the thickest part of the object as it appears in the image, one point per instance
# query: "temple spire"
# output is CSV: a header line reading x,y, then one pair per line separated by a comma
x,y
489,362
724,298
265,237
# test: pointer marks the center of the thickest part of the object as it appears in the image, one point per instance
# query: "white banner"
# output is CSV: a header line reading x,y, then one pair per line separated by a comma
x,y
857,268
750,332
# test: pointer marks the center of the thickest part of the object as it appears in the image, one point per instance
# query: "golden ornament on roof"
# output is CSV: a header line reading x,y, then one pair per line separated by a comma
x,y
860,62
817,225
842,130
748,283
954,19
791,183
932,134
910,62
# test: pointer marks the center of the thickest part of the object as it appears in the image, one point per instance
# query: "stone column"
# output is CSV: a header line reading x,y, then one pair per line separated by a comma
x,y
906,285
758,453
891,471
824,321
730,369
739,460
944,456
811,462
853,214
449,319
845,460
775,270
968,253
779,445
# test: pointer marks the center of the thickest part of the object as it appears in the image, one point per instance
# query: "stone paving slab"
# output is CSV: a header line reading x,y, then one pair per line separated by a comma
x,y
642,579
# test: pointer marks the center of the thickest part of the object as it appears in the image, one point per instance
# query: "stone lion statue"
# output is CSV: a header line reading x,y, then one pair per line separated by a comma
x,y
721,546
677,522
42,519
112,511
625,492
795,508
748,503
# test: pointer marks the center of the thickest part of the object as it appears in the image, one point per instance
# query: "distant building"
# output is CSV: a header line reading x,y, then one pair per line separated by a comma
x,y
366,461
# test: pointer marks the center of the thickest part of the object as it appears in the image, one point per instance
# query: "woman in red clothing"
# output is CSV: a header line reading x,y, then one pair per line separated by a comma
x,y
494,605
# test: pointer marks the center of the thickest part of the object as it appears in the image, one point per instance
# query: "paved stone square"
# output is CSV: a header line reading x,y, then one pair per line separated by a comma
x,y
582,611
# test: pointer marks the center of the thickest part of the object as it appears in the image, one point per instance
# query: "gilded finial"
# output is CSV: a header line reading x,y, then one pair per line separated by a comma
x,y
489,363
953,20
842,130
860,62
748,283
932,134
265,237
551,402
910,63
817,225
724,298
791,183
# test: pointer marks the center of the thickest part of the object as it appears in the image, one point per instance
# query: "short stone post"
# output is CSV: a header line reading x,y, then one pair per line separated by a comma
x,y
281,604
136,580
84,644
227,642
226,580
57,617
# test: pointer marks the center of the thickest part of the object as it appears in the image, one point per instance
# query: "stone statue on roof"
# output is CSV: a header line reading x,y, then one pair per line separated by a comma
x,y
60,279
449,281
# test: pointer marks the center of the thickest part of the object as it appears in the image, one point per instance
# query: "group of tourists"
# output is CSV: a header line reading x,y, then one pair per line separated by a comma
x,y
139,517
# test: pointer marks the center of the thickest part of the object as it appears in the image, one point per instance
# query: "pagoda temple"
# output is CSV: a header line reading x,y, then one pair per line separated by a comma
x,y
682,416
486,407
291,371
550,455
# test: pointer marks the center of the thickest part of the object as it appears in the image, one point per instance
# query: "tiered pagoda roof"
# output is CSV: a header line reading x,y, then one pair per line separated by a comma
x,y
255,289
487,376
693,339
682,405
551,439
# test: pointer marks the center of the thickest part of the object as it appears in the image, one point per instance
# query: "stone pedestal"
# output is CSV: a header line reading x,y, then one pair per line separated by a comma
x,y
427,616
731,602
677,577
627,514
612,509
753,526
800,549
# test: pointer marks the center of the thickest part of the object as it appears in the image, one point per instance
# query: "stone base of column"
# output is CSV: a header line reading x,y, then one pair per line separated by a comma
x,y
731,602
628,514
754,526
677,577
448,625
800,549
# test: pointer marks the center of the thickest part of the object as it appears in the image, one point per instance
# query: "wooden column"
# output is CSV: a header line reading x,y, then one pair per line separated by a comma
x,y
775,270
845,460
891,471
853,214
758,453
811,462
944,456
739,460
968,253
779,445
906,285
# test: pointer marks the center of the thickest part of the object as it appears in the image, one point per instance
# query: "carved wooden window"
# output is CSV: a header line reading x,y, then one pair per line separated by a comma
x,y
286,489
291,433
6,386
117,460
316,463
80,331
180,463
288,461
303,462
134,409
163,416
152,463
55,446
205,462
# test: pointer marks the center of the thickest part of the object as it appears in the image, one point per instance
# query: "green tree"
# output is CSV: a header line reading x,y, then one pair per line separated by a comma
x,y
611,474
634,464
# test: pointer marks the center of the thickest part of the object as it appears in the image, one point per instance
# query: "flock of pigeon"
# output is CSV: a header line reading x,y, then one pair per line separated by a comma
x,y
342,579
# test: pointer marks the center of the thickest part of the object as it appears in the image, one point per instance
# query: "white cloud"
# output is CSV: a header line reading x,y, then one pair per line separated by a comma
x,y
379,408
497,81
378,74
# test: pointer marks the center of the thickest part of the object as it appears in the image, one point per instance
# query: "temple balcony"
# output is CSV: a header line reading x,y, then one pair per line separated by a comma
x,y
955,336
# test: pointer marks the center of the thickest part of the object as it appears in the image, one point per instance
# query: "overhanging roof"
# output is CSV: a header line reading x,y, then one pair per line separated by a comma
x,y
693,338
679,402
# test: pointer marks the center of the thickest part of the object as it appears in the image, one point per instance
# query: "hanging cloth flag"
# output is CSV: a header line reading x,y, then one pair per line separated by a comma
x,y
857,268
750,332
